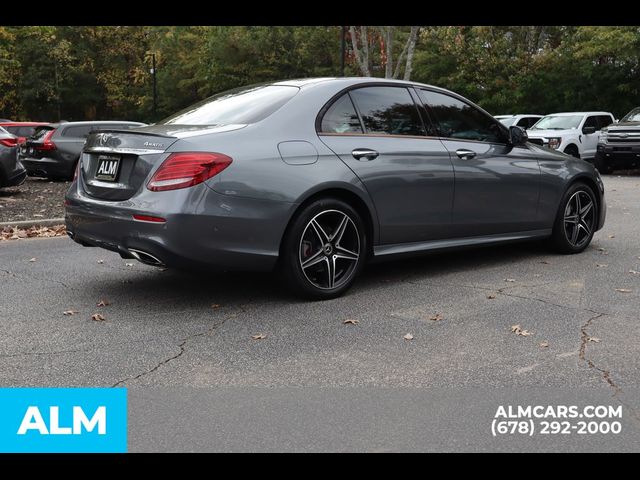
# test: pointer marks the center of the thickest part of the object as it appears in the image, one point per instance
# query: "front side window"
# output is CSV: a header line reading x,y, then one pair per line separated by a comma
x,y
341,117
604,121
459,120
388,110
591,122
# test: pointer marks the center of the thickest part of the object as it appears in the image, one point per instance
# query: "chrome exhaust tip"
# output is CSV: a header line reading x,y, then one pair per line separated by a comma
x,y
146,258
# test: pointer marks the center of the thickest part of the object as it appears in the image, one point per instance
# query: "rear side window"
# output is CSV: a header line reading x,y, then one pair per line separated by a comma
x,y
341,117
389,110
80,131
21,131
240,106
459,120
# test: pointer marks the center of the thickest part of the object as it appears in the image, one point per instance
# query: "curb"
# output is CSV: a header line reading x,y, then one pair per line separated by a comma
x,y
45,222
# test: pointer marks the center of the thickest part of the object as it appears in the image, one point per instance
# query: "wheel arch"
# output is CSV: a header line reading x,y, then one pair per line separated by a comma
x,y
591,183
348,194
572,145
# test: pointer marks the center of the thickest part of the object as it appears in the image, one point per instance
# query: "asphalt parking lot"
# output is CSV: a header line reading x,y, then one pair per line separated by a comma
x,y
173,329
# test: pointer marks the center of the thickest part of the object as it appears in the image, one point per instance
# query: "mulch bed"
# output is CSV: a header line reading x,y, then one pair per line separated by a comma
x,y
35,199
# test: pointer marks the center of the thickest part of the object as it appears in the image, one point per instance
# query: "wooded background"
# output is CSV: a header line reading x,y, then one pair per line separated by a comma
x,y
84,73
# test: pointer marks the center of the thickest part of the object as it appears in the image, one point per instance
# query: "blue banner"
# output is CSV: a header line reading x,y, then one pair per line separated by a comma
x,y
63,420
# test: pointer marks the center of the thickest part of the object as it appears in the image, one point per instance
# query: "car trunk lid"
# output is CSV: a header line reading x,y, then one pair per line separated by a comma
x,y
115,163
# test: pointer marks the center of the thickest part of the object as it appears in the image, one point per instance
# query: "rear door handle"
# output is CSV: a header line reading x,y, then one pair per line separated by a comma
x,y
465,154
364,153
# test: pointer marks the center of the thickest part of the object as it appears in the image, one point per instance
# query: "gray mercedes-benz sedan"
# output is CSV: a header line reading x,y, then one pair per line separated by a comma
x,y
316,177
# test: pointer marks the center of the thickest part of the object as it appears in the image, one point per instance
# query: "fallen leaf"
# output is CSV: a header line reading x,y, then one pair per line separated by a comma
x,y
491,296
96,317
633,272
258,336
601,249
102,303
32,259
351,321
436,318
593,339
518,330
612,236
215,305
601,265
100,262
408,336
623,290
544,344
545,262
509,279
69,312
128,264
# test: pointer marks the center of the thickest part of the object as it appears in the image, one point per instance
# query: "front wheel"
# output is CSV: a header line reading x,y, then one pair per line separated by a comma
x,y
324,249
576,220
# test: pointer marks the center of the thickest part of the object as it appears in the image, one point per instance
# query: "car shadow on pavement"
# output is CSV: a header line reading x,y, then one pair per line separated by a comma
x,y
189,289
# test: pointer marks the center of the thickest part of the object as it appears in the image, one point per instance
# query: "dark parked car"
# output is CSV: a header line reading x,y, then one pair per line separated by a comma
x,y
12,173
53,150
22,130
619,144
315,177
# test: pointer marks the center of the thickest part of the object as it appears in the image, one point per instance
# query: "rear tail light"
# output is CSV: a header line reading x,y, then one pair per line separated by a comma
x,y
9,142
185,169
149,218
47,144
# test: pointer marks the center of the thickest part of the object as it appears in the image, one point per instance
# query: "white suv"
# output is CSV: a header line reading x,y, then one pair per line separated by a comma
x,y
574,133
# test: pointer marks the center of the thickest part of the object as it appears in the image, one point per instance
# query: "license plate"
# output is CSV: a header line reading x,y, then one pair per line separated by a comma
x,y
108,167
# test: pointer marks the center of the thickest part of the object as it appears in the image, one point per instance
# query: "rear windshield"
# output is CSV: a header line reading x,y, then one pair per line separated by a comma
x,y
40,132
239,106
558,122
21,131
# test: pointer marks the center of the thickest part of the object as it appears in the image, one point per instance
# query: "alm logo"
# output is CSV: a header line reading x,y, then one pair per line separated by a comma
x,y
61,420
33,421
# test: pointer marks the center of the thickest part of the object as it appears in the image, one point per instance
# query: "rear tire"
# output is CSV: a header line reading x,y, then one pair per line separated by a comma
x,y
576,220
324,249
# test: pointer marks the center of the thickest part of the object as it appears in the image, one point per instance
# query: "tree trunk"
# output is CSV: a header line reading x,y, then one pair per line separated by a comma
x,y
413,37
387,34
362,57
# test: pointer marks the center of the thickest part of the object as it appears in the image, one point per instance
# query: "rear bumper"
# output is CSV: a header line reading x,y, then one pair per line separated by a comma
x,y
47,167
203,229
627,156
14,178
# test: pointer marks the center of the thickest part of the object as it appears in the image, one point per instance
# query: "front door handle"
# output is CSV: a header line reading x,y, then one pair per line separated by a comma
x,y
364,153
465,154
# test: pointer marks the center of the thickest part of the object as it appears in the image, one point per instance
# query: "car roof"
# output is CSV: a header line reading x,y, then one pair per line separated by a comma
x,y
566,114
350,81
23,124
94,122
511,115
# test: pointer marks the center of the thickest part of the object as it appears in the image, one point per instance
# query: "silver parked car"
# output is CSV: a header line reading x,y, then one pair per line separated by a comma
x,y
315,177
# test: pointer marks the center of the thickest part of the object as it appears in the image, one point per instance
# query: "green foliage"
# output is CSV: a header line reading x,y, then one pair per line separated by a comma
x,y
75,73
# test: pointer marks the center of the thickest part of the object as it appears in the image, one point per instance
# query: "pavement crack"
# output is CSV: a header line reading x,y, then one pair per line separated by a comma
x,y
182,346
584,340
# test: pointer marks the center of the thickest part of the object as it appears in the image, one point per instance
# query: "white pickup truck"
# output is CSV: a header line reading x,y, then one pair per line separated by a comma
x,y
574,133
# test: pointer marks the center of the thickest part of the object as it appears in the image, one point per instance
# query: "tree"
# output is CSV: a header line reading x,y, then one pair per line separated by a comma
x,y
363,41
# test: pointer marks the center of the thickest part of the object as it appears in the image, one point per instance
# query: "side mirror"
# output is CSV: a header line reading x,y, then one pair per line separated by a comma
x,y
517,135
588,130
